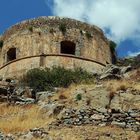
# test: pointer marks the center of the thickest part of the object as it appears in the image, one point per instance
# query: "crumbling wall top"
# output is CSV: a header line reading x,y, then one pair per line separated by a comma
x,y
51,21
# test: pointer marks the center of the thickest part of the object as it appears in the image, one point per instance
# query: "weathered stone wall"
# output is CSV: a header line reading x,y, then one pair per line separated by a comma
x,y
43,36
19,67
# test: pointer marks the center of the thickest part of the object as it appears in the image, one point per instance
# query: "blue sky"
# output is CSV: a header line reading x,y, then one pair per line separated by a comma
x,y
120,19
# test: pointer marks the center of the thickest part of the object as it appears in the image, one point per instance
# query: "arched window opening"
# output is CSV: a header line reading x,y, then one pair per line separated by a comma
x,y
11,54
67,47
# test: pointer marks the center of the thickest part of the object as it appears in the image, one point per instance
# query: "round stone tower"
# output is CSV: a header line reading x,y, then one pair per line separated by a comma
x,y
52,41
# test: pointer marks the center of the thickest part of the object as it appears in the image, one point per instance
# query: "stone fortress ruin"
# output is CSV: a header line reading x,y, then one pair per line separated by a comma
x,y
52,41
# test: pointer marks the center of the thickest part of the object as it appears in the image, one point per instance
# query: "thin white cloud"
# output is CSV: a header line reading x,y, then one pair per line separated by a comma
x,y
48,3
133,53
120,17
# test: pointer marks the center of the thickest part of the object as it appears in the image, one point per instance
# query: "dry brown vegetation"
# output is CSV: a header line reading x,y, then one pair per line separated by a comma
x,y
138,137
116,85
135,75
137,86
62,96
111,95
20,118
90,132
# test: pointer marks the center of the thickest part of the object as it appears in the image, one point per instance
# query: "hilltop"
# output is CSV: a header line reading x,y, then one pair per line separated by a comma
x,y
107,108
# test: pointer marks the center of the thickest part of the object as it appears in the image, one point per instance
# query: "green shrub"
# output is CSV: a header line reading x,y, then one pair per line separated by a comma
x,y
62,28
47,79
1,43
30,28
88,35
37,79
78,97
113,51
112,45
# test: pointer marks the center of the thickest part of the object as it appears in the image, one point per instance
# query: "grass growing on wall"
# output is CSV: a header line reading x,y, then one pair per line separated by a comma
x,y
30,28
88,35
62,28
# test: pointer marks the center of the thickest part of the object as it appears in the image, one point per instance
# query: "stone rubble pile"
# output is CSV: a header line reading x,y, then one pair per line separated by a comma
x,y
114,72
11,93
6,137
38,133
129,119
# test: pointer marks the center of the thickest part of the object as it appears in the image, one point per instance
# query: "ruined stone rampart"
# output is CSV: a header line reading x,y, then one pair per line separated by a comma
x,y
62,41
51,22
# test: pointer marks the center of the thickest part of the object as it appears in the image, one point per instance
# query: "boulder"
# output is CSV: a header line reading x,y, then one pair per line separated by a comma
x,y
121,124
110,76
111,72
112,69
21,100
42,96
51,109
114,72
97,117
126,69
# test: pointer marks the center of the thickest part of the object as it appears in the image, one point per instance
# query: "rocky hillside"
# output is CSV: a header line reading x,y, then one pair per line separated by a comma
x,y
133,61
107,108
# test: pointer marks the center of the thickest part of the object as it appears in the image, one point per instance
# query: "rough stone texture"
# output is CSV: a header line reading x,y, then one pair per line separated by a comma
x,y
20,67
92,116
35,133
115,72
45,38
87,121
125,101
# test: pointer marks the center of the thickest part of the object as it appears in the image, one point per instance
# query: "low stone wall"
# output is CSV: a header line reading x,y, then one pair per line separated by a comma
x,y
19,67
129,119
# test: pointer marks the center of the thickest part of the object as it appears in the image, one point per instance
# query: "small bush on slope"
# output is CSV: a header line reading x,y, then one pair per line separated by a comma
x,y
47,79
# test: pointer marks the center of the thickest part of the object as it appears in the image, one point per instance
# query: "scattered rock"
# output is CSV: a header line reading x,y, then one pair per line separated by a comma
x,y
97,117
111,72
7,137
121,124
35,133
93,116
52,109
114,72
41,96
22,101
125,69
109,76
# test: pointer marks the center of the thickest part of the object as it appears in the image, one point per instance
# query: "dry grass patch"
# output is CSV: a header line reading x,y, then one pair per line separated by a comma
x,y
135,75
62,97
21,118
116,85
64,93
67,96
137,86
89,132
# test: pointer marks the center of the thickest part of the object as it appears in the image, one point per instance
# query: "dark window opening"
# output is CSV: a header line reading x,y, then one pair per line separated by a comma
x,y
11,54
68,47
